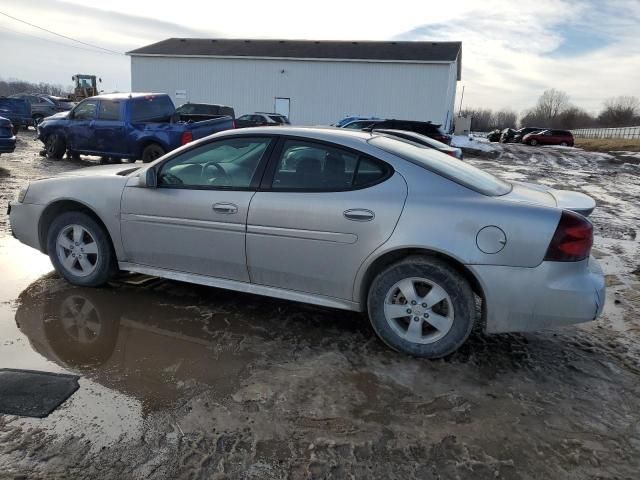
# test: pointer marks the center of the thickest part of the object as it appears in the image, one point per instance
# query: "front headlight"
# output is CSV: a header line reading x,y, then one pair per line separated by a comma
x,y
22,193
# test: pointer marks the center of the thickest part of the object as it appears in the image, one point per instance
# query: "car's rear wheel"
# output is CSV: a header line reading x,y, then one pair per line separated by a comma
x,y
37,119
563,144
80,250
533,142
151,152
421,306
54,146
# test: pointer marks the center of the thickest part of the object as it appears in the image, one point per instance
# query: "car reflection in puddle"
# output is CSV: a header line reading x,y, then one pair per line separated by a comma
x,y
166,339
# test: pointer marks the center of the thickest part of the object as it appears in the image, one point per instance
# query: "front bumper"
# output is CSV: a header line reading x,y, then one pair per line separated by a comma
x,y
24,218
553,294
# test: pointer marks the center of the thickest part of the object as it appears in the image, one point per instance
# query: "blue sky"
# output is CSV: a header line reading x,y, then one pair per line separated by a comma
x,y
512,51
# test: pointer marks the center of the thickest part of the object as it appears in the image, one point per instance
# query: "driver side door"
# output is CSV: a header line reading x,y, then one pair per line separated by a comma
x,y
80,135
195,220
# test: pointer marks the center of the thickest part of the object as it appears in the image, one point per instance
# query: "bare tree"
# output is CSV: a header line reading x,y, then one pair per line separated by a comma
x,y
504,119
620,111
551,104
13,86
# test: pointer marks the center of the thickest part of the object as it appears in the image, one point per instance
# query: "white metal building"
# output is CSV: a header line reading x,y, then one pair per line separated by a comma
x,y
313,82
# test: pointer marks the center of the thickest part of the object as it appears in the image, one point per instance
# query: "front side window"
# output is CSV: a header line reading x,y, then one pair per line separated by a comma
x,y
443,165
86,110
109,110
229,163
314,166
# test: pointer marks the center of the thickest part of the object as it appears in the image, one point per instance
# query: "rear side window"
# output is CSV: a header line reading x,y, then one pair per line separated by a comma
x,y
109,110
152,109
319,167
443,165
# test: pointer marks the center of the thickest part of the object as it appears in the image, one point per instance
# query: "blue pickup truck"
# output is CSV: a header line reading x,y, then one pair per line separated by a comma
x,y
115,126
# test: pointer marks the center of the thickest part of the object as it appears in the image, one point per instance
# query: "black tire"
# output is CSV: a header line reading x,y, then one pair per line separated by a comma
x,y
75,156
533,142
151,152
54,146
105,264
441,273
37,119
564,144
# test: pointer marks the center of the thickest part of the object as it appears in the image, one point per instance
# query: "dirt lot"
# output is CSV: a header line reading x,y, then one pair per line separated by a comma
x,y
180,381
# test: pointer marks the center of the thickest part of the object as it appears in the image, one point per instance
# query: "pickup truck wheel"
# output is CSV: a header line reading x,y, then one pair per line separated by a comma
x,y
421,306
80,250
151,152
54,146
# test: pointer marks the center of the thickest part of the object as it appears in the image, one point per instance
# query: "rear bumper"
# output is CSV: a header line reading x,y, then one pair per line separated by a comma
x,y
550,295
24,219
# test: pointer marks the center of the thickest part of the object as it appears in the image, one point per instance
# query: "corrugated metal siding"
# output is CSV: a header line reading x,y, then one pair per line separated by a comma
x,y
320,92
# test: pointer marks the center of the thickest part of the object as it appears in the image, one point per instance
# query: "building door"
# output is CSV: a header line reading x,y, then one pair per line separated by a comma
x,y
282,106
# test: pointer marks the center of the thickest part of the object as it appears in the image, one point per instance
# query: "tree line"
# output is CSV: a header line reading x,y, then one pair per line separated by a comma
x,y
12,86
555,110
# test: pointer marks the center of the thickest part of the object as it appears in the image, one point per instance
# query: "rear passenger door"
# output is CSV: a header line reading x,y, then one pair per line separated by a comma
x,y
322,209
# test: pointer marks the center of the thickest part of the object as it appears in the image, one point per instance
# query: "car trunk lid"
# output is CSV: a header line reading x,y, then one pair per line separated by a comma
x,y
547,196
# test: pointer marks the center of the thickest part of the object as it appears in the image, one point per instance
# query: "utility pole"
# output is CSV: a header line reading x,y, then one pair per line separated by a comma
x,y
461,98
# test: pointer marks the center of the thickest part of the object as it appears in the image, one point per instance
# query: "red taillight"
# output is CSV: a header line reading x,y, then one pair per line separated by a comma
x,y
572,239
452,153
186,138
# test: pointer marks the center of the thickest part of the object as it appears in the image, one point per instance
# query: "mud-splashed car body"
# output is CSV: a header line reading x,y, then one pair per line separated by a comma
x,y
345,219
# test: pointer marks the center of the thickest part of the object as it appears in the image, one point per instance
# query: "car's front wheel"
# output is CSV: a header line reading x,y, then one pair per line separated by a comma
x,y
80,250
54,146
533,142
421,306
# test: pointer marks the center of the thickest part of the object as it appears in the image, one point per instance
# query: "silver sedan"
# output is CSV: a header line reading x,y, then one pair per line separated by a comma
x,y
425,244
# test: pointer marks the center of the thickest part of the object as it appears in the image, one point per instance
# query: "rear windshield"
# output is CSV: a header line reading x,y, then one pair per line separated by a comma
x,y
448,167
152,109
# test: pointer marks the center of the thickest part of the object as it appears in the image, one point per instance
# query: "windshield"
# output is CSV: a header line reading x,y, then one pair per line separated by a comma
x,y
444,165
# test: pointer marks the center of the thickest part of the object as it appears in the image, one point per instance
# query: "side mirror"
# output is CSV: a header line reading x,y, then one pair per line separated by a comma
x,y
150,178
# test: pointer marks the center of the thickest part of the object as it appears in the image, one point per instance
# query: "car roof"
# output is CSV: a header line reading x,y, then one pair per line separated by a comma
x,y
415,136
124,96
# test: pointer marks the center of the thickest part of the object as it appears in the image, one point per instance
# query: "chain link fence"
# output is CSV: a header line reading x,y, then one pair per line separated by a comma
x,y
622,132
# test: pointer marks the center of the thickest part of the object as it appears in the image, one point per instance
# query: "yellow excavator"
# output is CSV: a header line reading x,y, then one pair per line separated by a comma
x,y
85,86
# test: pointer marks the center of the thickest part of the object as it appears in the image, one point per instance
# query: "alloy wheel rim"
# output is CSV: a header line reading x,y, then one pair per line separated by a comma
x,y
77,250
419,310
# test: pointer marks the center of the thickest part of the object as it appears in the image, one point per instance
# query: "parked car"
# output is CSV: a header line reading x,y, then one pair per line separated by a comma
x,y
519,134
261,119
43,106
345,120
494,135
549,137
203,111
16,110
363,221
428,129
507,135
423,140
7,136
123,125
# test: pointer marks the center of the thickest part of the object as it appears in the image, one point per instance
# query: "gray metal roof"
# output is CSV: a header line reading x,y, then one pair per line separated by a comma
x,y
388,51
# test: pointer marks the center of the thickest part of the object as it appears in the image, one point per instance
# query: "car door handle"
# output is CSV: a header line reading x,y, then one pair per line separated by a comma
x,y
359,215
225,208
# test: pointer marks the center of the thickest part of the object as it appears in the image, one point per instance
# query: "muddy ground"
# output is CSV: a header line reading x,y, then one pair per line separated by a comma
x,y
181,381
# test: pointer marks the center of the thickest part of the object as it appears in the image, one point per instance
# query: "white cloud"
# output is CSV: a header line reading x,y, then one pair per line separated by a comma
x,y
508,46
